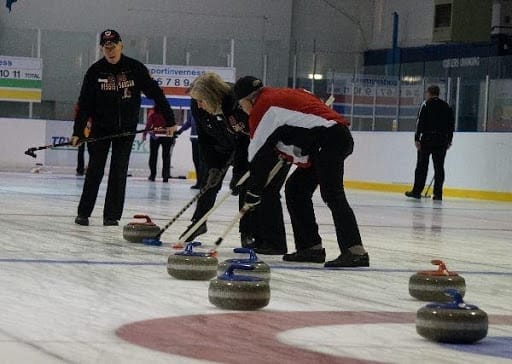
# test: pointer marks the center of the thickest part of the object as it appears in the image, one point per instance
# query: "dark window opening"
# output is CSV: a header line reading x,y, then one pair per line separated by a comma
x,y
443,15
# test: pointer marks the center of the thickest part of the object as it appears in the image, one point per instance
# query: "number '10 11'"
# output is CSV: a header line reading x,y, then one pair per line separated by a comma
x,y
7,73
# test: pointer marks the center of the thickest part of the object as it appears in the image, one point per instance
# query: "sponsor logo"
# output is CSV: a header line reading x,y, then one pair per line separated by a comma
x,y
461,62
108,84
121,82
5,62
138,146
59,139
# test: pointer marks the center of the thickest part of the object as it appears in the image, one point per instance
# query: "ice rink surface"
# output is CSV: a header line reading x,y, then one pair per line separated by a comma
x,y
76,294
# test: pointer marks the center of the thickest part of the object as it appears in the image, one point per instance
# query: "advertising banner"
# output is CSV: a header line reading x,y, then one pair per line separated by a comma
x,y
371,96
175,80
20,79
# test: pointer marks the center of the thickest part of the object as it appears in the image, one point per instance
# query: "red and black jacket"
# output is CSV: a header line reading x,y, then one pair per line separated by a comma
x,y
288,122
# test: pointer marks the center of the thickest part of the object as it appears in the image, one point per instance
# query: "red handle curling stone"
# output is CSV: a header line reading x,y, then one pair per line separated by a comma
x,y
431,285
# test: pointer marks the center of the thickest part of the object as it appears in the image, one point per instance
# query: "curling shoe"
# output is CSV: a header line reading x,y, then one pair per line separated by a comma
x,y
349,260
110,222
411,194
80,220
269,250
306,256
247,241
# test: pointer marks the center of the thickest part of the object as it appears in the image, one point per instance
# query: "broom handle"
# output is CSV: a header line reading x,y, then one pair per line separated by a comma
x,y
242,212
217,204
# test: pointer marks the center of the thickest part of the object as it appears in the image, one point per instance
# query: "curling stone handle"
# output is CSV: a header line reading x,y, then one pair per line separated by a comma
x,y
148,219
229,272
242,250
441,266
455,295
252,255
189,248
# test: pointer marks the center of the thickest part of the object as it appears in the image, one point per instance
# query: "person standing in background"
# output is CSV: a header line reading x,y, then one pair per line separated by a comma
x,y
434,135
196,156
157,121
111,97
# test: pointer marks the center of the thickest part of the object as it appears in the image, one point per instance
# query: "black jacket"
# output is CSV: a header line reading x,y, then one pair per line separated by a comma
x,y
435,123
111,96
219,145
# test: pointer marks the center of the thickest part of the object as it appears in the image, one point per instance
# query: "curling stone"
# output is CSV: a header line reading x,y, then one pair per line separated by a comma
x,y
261,269
455,322
239,292
137,231
430,285
191,265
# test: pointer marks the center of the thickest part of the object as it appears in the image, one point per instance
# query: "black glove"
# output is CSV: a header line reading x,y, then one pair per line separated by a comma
x,y
233,185
214,178
251,201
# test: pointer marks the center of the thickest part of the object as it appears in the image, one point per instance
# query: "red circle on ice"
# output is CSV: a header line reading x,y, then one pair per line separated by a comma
x,y
250,337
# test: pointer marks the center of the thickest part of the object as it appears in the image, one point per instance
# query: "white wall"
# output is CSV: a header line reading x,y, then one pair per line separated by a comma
x,y
15,137
416,21
477,161
20,134
342,30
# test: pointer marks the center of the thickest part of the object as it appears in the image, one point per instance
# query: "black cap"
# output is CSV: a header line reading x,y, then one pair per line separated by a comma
x,y
246,86
109,35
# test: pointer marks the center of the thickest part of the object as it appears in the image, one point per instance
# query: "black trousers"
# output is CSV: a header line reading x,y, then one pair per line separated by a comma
x,y
167,145
266,223
420,174
198,162
116,187
80,160
327,171
207,200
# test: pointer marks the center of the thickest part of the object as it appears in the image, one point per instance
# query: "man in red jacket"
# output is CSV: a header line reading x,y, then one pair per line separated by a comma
x,y
300,127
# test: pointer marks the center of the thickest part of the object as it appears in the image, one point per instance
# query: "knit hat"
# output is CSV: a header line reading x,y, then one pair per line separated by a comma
x,y
246,85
